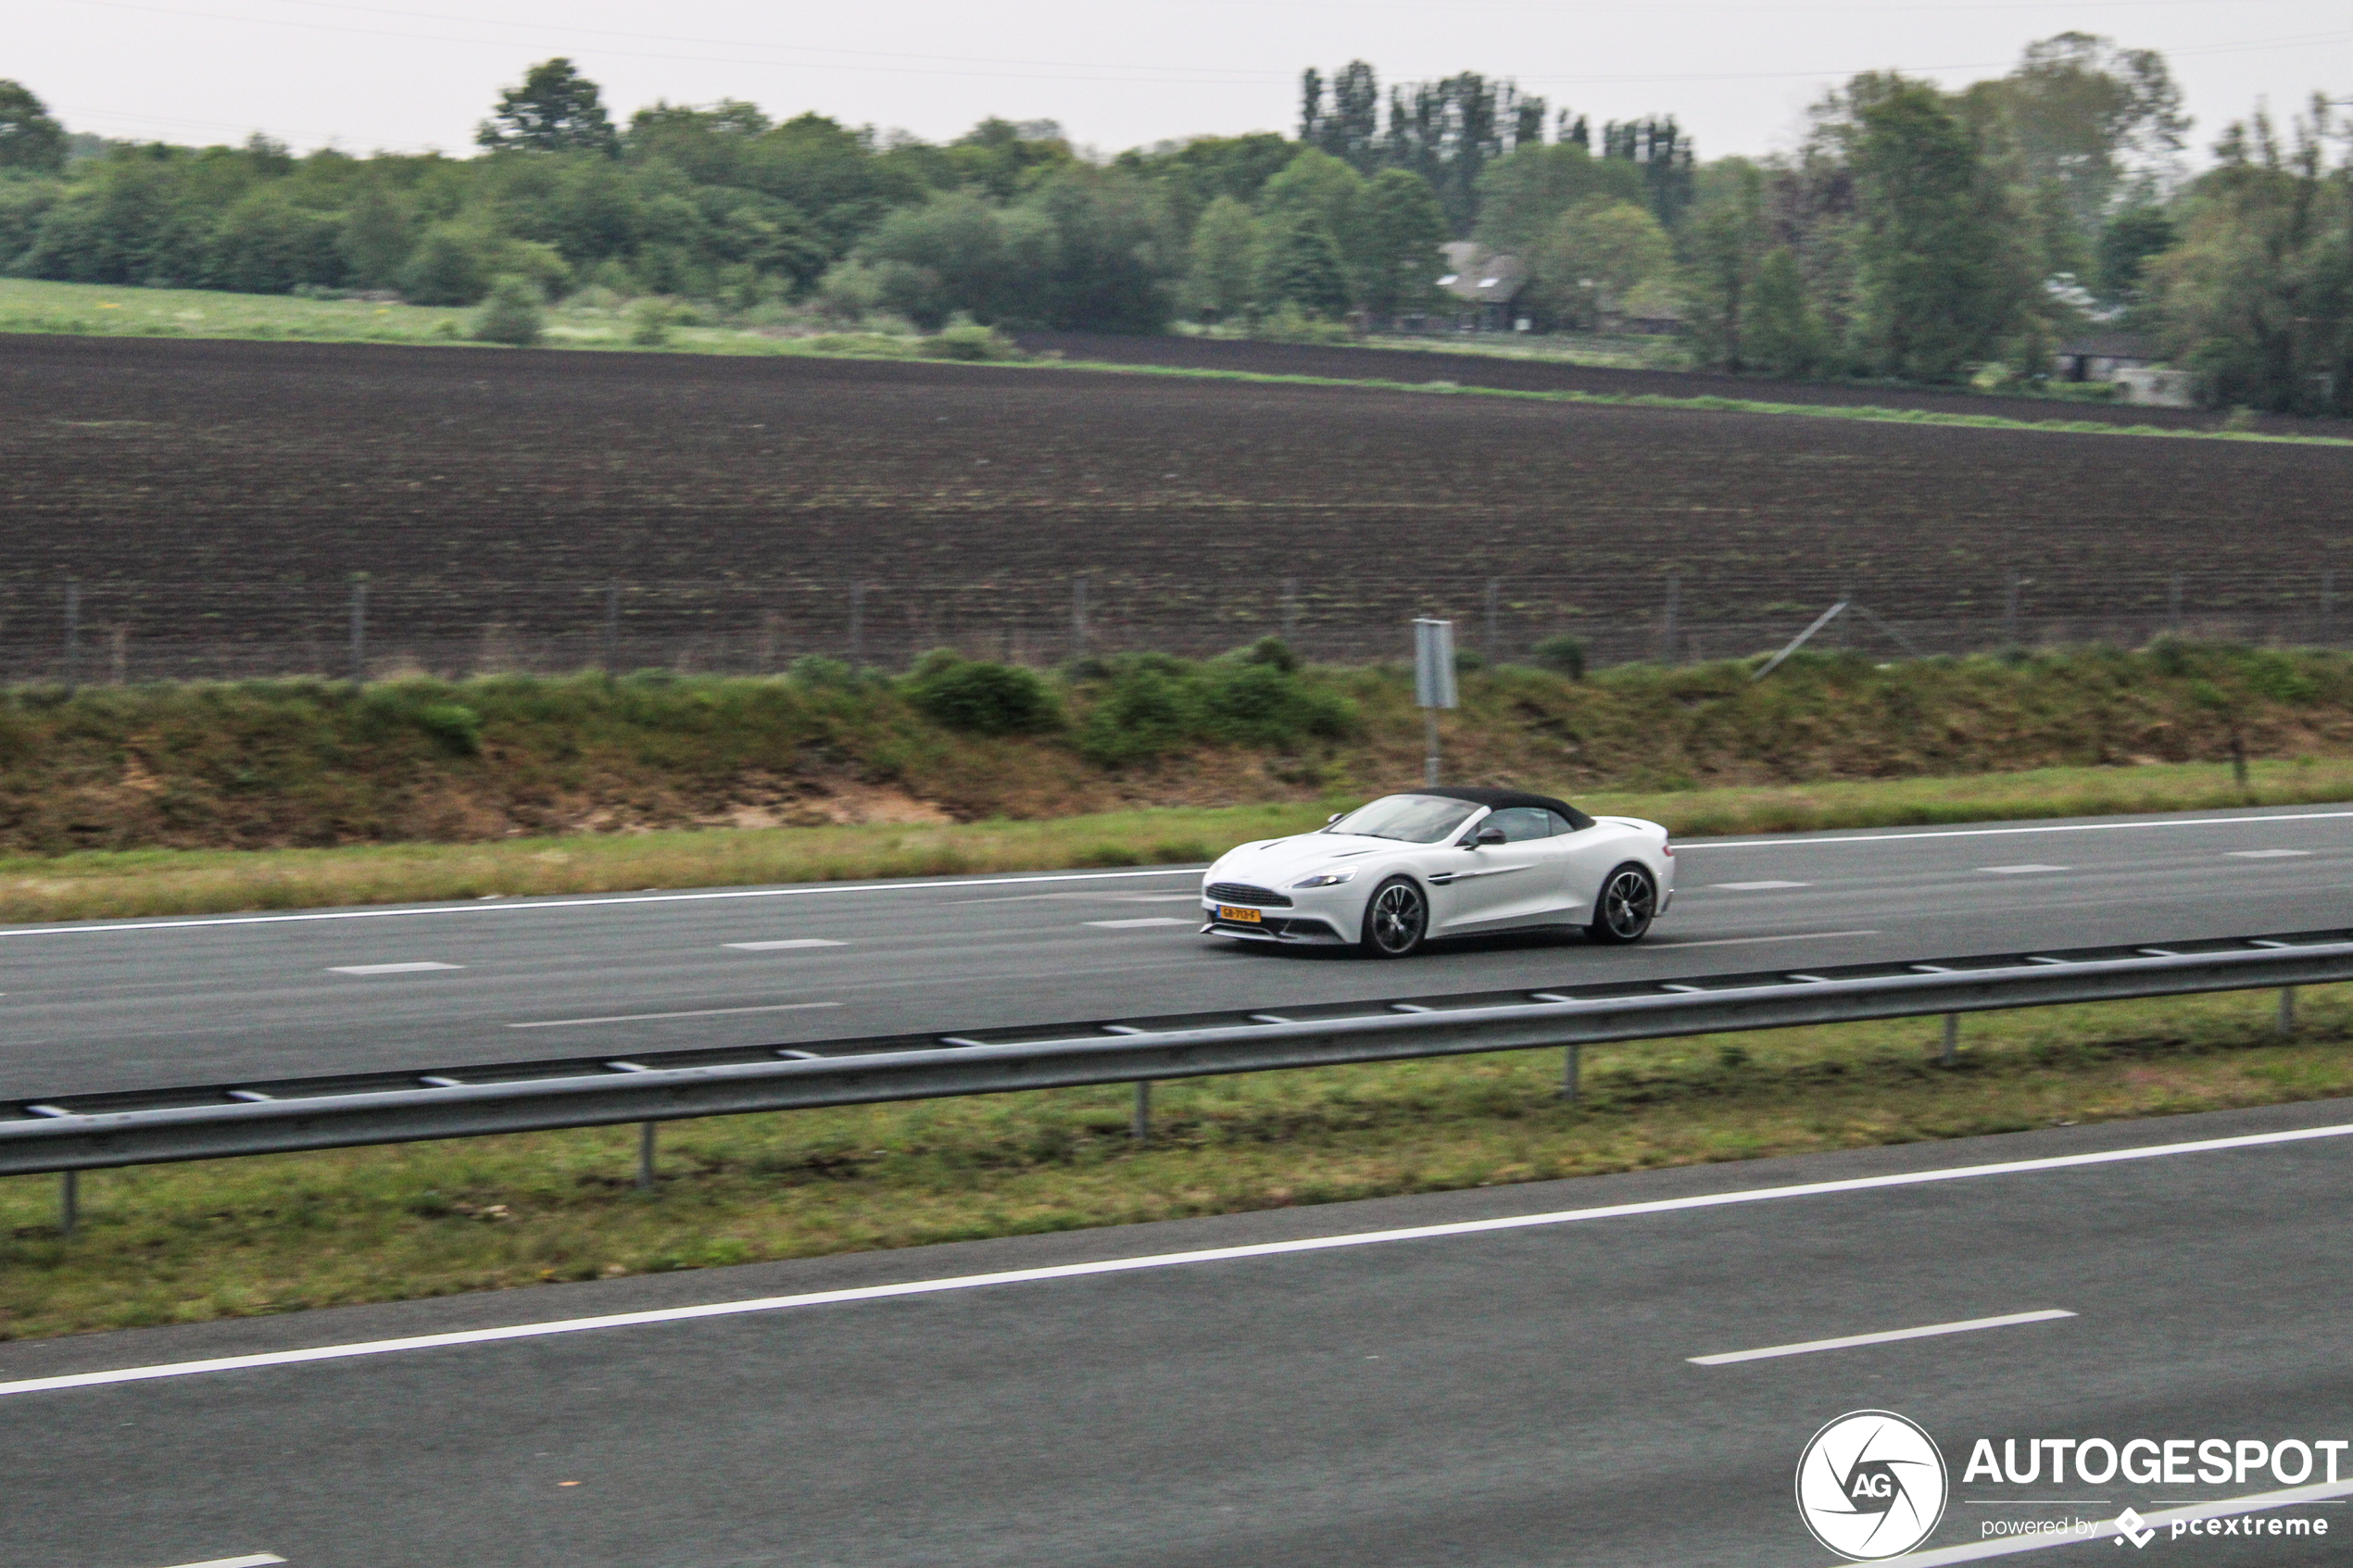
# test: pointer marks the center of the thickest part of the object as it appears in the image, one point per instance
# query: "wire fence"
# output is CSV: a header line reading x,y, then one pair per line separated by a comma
x,y
121,631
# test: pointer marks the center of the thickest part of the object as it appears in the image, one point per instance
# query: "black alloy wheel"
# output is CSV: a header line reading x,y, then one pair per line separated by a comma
x,y
1396,919
1628,905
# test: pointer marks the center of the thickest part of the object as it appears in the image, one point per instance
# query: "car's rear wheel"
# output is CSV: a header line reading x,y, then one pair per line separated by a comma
x,y
1396,919
1627,904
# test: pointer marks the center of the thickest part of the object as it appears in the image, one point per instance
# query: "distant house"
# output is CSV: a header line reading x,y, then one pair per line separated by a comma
x,y
1485,283
2099,357
2156,387
1642,311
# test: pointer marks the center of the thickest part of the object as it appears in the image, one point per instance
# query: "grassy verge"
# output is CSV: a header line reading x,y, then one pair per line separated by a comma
x,y
104,884
29,306
233,1238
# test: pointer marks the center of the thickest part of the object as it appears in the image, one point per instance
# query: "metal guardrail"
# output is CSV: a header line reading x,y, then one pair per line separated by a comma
x,y
84,1132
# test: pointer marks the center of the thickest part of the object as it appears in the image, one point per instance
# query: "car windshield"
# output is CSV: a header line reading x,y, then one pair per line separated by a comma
x,y
1415,819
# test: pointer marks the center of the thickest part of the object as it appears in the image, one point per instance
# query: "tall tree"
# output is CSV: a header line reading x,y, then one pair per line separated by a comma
x,y
29,137
1223,278
1726,238
1401,230
1528,192
2258,295
1303,269
2101,124
553,110
1940,277
1659,148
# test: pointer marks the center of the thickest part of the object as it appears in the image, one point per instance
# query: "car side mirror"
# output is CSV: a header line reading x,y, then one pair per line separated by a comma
x,y
1333,818
1492,835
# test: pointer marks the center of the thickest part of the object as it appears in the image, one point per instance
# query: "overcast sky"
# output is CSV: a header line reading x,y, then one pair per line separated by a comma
x,y
1116,73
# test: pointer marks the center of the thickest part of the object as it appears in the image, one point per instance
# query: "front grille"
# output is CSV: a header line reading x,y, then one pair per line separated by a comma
x,y
1243,893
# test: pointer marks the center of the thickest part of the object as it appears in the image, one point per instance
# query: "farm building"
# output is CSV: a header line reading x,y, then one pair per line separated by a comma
x,y
2099,357
1487,283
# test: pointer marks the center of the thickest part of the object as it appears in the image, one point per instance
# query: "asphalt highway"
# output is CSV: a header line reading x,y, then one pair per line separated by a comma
x,y
149,1003
1454,1398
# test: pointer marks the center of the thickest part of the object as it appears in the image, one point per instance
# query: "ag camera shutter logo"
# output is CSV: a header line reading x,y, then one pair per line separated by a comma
x,y
1872,1485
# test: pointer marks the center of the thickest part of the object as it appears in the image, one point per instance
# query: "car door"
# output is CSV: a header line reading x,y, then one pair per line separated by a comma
x,y
1488,887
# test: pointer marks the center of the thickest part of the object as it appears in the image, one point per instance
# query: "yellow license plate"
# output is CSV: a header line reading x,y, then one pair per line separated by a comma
x,y
1247,916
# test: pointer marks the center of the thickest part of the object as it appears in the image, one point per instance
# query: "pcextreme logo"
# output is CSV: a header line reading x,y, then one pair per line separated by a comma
x,y
1872,1485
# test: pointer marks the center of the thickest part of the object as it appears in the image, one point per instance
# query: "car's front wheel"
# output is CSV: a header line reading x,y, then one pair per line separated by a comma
x,y
1628,905
1396,919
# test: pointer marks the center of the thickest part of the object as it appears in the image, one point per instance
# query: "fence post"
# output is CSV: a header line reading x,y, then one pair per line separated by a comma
x,y
612,627
119,647
1952,1040
1674,602
857,624
2174,607
1487,643
1079,617
358,628
1290,611
2328,609
69,1202
1139,1126
2010,608
2287,1010
73,632
1569,1067
645,1156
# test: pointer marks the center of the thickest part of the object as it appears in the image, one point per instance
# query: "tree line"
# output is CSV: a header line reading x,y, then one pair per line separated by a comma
x,y
1914,234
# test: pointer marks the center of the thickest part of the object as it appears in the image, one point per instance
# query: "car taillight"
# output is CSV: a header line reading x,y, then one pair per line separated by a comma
x,y
1667,849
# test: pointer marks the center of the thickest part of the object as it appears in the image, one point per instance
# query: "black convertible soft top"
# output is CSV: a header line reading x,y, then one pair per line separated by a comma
x,y
1501,799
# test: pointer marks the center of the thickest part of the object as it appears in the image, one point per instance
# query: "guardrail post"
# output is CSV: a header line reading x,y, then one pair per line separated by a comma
x,y
2287,1010
69,1202
645,1156
1569,1065
1952,1040
1140,1127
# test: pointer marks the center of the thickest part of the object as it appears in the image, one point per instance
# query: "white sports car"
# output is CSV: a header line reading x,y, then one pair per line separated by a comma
x,y
1404,869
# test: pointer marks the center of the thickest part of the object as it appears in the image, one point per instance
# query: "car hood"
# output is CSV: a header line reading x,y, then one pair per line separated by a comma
x,y
1275,863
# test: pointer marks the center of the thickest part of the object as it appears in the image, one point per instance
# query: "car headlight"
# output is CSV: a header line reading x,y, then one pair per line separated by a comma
x,y
1327,879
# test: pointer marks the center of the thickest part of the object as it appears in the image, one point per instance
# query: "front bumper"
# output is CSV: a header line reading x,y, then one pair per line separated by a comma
x,y
1294,928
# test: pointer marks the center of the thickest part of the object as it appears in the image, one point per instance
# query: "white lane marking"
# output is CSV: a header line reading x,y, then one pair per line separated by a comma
x,y
2264,854
1748,941
1757,886
1800,841
254,1559
1132,924
1168,1260
2110,1530
505,908
2030,868
650,1017
1850,1342
788,942
390,968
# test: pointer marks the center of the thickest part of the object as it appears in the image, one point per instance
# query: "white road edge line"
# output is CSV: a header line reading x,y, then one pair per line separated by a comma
x,y
517,907
390,968
1132,924
1850,1342
253,1560
1801,840
1164,1261
2108,1529
788,942
1748,941
650,1017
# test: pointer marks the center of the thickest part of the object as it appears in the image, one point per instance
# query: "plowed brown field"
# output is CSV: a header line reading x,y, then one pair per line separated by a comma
x,y
221,495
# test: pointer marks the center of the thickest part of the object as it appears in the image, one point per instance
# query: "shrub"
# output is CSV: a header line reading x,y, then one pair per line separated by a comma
x,y
1144,715
1259,705
1274,651
510,315
649,323
1563,654
981,698
964,338
454,725
814,670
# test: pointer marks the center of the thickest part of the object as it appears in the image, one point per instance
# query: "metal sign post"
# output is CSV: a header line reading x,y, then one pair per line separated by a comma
x,y
1433,680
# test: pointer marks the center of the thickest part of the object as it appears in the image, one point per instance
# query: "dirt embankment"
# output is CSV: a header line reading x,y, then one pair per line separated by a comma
x,y
314,763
